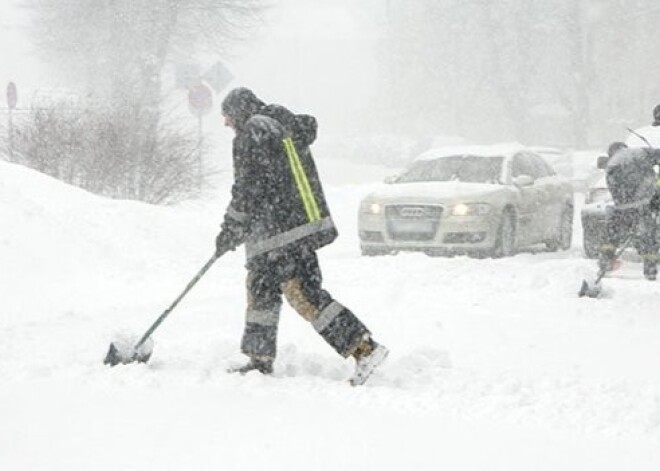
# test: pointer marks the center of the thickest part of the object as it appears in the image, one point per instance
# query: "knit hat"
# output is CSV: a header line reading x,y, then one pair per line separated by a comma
x,y
240,104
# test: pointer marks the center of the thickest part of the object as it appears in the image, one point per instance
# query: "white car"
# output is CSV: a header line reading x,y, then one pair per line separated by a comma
x,y
481,200
560,160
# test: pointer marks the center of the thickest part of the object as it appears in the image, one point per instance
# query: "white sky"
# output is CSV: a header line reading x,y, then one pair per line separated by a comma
x,y
17,62
317,57
313,56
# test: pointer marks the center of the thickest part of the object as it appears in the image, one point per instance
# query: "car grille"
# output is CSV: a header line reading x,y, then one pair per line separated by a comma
x,y
412,222
371,236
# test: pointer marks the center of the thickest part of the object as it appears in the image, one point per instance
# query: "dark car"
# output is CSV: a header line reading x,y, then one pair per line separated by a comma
x,y
596,201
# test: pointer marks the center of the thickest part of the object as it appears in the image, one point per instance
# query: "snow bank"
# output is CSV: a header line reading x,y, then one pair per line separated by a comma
x,y
495,364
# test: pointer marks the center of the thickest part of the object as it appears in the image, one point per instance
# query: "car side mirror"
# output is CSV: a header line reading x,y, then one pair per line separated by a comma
x,y
391,179
601,161
523,180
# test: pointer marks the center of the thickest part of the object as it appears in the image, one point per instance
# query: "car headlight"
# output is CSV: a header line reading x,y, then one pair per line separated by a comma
x,y
372,208
470,209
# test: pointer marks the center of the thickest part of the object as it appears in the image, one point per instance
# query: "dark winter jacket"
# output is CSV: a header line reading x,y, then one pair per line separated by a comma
x,y
631,177
277,201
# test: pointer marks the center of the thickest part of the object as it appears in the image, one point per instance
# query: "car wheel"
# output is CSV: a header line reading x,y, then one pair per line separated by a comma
x,y
564,232
505,244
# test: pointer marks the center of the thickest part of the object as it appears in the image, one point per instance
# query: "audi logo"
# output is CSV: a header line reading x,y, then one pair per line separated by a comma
x,y
412,212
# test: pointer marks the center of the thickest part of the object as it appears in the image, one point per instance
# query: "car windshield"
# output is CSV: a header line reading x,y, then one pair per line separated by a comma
x,y
463,168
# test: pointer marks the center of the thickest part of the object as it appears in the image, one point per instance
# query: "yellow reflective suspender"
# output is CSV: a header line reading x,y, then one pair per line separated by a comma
x,y
305,191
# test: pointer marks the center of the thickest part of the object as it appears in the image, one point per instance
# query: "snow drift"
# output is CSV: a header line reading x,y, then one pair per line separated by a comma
x,y
494,364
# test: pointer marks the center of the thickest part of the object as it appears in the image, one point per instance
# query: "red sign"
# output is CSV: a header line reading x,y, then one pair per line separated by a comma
x,y
200,99
12,96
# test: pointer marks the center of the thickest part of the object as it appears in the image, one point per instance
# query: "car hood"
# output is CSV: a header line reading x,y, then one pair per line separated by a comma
x,y
435,191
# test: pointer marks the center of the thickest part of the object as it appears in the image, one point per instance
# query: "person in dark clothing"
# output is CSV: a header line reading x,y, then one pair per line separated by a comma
x,y
631,179
656,116
279,211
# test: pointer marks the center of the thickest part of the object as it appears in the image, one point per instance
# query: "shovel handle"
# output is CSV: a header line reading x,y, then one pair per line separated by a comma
x,y
167,311
617,254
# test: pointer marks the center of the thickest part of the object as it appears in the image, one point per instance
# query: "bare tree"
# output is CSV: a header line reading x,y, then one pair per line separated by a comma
x,y
115,53
566,71
86,148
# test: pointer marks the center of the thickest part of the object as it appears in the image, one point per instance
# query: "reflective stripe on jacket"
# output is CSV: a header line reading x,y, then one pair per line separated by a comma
x,y
277,197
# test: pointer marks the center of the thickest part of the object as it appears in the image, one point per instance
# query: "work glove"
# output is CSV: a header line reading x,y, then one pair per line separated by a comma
x,y
224,243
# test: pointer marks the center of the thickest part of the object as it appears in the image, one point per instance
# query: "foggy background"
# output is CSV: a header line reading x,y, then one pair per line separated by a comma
x,y
385,78
571,73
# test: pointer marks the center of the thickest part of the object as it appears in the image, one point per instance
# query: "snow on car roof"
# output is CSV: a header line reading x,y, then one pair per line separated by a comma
x,y
495,150
547,150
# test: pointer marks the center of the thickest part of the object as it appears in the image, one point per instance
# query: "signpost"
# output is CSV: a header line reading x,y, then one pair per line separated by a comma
x,y
12,98
218,76
200,102
201,88
200,99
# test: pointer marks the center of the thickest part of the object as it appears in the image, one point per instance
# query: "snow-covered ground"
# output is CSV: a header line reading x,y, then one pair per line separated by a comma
x,y
494,364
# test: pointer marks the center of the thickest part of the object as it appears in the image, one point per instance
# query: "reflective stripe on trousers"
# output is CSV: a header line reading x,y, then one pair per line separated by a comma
x,y
300,282
252,249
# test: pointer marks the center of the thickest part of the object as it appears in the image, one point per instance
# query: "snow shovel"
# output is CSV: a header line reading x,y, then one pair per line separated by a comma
x,y
124,352
593,290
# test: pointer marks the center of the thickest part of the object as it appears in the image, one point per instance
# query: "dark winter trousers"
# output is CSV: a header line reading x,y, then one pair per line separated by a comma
x,y
298,277
641,223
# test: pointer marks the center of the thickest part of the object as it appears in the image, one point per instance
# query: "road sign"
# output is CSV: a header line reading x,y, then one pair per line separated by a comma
x,y
12,96
187,74
200,98
218,76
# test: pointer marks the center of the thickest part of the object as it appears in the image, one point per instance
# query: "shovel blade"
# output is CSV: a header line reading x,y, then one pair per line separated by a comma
x,y
113,358
591,290
123,353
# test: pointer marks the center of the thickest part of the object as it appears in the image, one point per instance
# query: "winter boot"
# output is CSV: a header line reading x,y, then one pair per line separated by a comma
x,y
262,365
650,270
369,356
